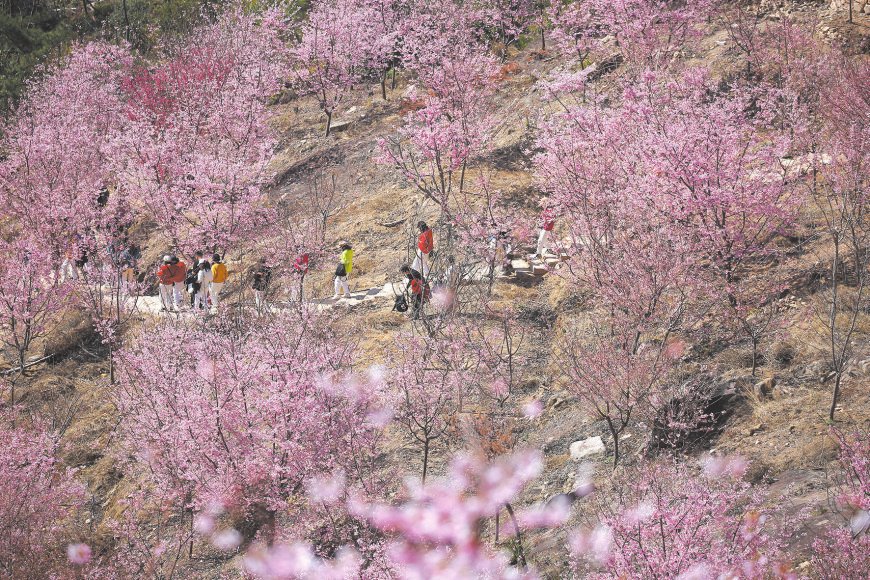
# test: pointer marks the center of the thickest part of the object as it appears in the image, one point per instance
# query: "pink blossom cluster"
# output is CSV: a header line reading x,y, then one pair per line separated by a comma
x,y
844,552
246,422
663,520
38,498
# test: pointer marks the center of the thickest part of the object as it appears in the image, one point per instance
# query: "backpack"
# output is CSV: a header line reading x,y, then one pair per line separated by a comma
x,y
401,305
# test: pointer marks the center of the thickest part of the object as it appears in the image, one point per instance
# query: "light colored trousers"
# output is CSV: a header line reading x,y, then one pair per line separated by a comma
x,y
421,263
341,284
215,293
200,299
542,243
68,270
178,294
166,296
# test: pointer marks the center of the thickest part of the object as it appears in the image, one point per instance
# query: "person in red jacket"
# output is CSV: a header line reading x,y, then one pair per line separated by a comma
x,y
425,245
418,287
548,222
166,276
178,277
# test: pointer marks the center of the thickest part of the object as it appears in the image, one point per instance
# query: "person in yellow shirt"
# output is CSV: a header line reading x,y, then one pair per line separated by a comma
x,y
219,277
343,269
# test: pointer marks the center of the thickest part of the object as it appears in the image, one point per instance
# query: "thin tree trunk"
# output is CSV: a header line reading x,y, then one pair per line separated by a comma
x,y
328,122
615,436
126,21
521,555
425,458
836,363
754,355
837,382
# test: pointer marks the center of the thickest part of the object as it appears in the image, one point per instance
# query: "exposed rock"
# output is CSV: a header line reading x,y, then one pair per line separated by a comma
x,y
339,126
607,65
757,429
587,447
764,389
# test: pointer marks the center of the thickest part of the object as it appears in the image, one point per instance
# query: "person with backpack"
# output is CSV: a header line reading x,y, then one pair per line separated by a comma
x,y
425,245
343,270
204,279
191,282
262,277
166,281
219,277
418,287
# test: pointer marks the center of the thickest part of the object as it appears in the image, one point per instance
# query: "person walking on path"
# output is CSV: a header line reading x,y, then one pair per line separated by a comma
x,y
425,245
204,279
548,222
418,287
262,277
166,275
129,259
191,281
300,268
343,270
219,277
180,274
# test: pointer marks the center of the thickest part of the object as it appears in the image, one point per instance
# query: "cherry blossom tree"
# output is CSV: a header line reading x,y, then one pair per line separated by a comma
x,y
58,145
433,148
437,530
743,24
342,42
434,532
839,190
844,552
699,189
32,298
430,381
506,20
651,33
199,138
37,498
665,520
576,28
241,421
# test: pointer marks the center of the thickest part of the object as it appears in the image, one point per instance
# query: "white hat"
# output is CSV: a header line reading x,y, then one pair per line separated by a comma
x,y
167,258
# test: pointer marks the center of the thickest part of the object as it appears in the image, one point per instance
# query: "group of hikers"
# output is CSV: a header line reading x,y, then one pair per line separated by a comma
x,y
203,281
418,287
206,277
